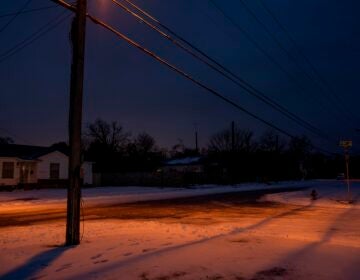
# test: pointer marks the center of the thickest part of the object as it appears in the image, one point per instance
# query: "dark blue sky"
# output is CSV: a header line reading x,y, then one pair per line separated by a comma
x,y
124,85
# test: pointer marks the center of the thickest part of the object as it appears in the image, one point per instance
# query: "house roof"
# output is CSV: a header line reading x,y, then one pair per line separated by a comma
x,y
26,152
184,161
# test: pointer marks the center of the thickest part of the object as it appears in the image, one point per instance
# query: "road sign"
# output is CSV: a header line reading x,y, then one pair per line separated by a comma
x,y
345,143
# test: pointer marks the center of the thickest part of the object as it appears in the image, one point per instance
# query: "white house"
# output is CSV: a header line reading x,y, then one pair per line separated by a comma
x,y
21,164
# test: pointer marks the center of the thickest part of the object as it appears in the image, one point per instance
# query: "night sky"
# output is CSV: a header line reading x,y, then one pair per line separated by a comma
x,y
123,84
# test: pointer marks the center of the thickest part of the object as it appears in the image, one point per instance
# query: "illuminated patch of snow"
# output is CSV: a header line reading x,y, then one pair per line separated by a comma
x,y
330,194
308,241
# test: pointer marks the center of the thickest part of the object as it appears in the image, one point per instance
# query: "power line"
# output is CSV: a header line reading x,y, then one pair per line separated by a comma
x,y
15,16
228,74
274,38
301,89
288,54
306,59
257,45
28,11
43,30
179,71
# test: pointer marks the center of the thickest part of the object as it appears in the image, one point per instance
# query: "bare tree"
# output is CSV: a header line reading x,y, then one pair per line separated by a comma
x,y
145,143
223,141
270,141
111,135
300,147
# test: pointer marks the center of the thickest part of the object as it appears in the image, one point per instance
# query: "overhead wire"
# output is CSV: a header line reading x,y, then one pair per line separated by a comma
x,y
28,11
274,38
194,47
214,61
307,60
32,10
249,89
23,7
243,31
181,72
24,43
292,58
40,32
300,88
258,46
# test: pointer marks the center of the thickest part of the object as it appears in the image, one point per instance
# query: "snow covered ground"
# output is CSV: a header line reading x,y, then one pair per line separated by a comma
x,y
221,239
330,194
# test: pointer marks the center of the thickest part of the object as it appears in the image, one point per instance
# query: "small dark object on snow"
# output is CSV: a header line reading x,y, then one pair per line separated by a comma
x,y
314,195
275,272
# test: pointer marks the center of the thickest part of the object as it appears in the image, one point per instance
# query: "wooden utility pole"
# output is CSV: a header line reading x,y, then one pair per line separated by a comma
x,y
196,138
232,136
347,144
232,154
196,142
75,120
347,159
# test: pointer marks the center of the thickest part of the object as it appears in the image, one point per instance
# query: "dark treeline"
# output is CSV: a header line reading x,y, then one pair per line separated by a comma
x,y
233,153
230,156
270,157
114,150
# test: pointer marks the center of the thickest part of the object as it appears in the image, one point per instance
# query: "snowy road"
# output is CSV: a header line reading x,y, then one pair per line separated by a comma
x,y
241,235
27,213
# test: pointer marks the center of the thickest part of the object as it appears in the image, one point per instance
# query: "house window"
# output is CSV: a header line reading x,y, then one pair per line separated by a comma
x,y
8,170
54,170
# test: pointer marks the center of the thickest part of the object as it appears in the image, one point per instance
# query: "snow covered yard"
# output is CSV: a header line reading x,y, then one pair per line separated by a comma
x,y
280,236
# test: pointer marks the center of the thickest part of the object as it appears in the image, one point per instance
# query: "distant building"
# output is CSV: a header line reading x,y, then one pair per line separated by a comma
x,y
184,165
25,165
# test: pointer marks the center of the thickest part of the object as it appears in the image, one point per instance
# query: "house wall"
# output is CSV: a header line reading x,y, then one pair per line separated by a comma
x,y
40,169
10,182
43,166
31,168
88,174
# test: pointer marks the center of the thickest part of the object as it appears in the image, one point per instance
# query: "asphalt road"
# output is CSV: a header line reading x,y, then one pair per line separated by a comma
x,y
205,209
